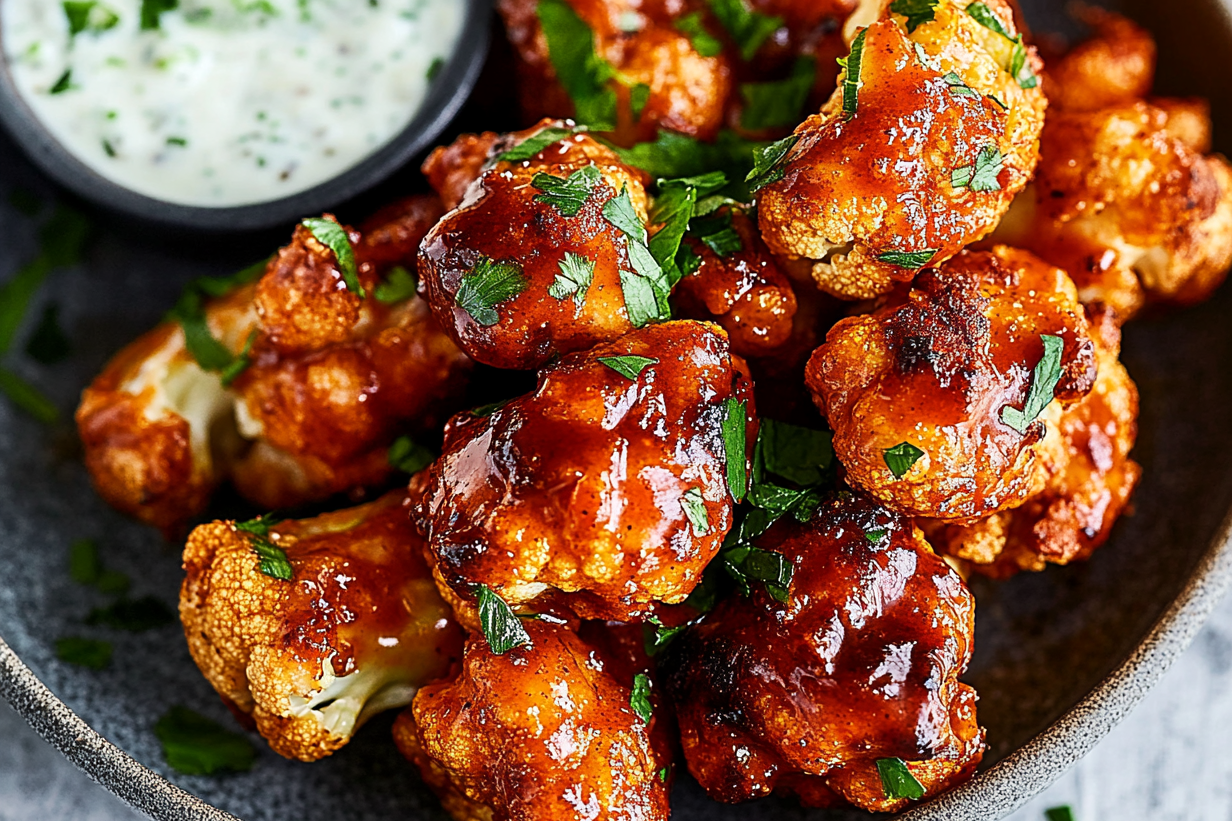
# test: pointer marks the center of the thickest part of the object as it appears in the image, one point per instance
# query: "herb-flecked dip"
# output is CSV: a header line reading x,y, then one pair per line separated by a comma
x,y
225,102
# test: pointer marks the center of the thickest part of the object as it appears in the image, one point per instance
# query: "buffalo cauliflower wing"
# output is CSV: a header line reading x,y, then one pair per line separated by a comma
x,y
857,664
555,730
313,626
606,488
944,112
934,397
321,382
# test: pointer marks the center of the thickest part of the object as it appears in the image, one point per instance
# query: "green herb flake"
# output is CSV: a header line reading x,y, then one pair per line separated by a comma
x,y
639,96
532,145
86,567
240,363
63,84
502,630
695,511
398,285
577,272
779,103
133,615
1062,813
704,43
917,12
746,563
672,155
408,456
645,288
272,560
901,457
195,745
489,283
982,176
851,77
797,454
984,16
1043,386
434,69
672,210
656,635
896,780
209,353
630,366
913,260
89,15
1019,68
484,411
735,446
957,87
27,397
48,344
109,149
717,234
639,699
152,10
179,142
767,163
665,773
89,653
749,29
875,536
582,72
334,237
567,195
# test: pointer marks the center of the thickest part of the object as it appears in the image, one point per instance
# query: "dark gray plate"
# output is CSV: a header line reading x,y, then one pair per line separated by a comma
x,y
1060,656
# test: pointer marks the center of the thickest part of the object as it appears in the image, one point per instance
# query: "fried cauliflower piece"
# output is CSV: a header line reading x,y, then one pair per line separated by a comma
x,y
568,253
742,290
598,492
327,381
545,732
935,369
942,137
860,663
356,630
1090,480
1126,197
686,91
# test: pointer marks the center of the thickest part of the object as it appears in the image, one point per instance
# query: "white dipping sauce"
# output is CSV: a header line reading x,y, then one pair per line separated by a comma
x,y
227,102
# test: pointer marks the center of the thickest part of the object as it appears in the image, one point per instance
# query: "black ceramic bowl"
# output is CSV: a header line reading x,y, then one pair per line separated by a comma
x,y
445,98
1060,656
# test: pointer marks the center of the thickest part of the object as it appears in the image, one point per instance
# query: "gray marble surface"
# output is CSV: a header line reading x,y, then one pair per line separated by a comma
x,y
1169,761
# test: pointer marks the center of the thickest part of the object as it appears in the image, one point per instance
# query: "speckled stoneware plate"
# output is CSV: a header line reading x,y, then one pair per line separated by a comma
x,y
1060,656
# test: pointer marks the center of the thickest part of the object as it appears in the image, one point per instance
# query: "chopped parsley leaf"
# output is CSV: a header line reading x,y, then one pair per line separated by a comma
x,y
717,234
86,567
501,628
749,29
957,87
398,285
735,446
272,560
434,69
1043,386
152,10
583,73
630,366
133,615
665,773
1018,66
639,95
63,84
177,141
532,145
639,700
704,43
205,348
240,363
778,103
577,272
896,780
25,396
851,77
695,511
985,17
1062,813
767,163
409,456
875,536
746,563
90,653
901,457
489,283
48,344
567,195
672,155
88,15
334,237
797,454
656,636
913,260
195,745
982,176
917,12
645,288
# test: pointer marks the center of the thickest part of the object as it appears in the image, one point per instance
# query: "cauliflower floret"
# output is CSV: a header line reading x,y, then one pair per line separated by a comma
x,y
932,131
324,383
355,630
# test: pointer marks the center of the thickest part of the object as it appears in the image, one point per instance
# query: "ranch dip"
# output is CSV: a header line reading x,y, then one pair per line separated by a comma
x,y
226,102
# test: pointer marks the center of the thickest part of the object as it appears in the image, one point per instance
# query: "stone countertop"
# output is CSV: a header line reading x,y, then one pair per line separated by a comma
x,y
1169,761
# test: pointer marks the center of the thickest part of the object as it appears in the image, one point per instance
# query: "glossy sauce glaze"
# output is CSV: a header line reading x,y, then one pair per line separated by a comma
x,y
219,103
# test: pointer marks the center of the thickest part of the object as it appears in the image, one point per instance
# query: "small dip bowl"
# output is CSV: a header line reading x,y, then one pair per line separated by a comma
x,y
446,96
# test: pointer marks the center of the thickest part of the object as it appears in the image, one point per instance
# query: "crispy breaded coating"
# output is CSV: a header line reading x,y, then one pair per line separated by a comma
x,y
744,291
1090,480
936,367
598,491
860,663
357,628
944,134
330,381
505,219
686,91
544,732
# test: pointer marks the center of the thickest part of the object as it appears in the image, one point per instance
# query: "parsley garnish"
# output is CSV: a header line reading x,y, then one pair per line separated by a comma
x,y
1062,813
639,699
917,12
748,28
704,43
665,773
1043,385
767,163
735,447
717,234
1018,67
630,366
645,288
334,237
25,396
177,141
409,456
896,780
88,15
134,615
908,259
90,653
901,457
398,285
984,16
567,195
532,145
851,77
875,536
576,274
434,69
695,511
63,84
189,312
673,155
86,567
778,104
502,629
583,73
487,285
656,635
675,206
484,411
151,10
273,561
982,176
746,563
639,95
797,454
196,745
48,344
957,87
